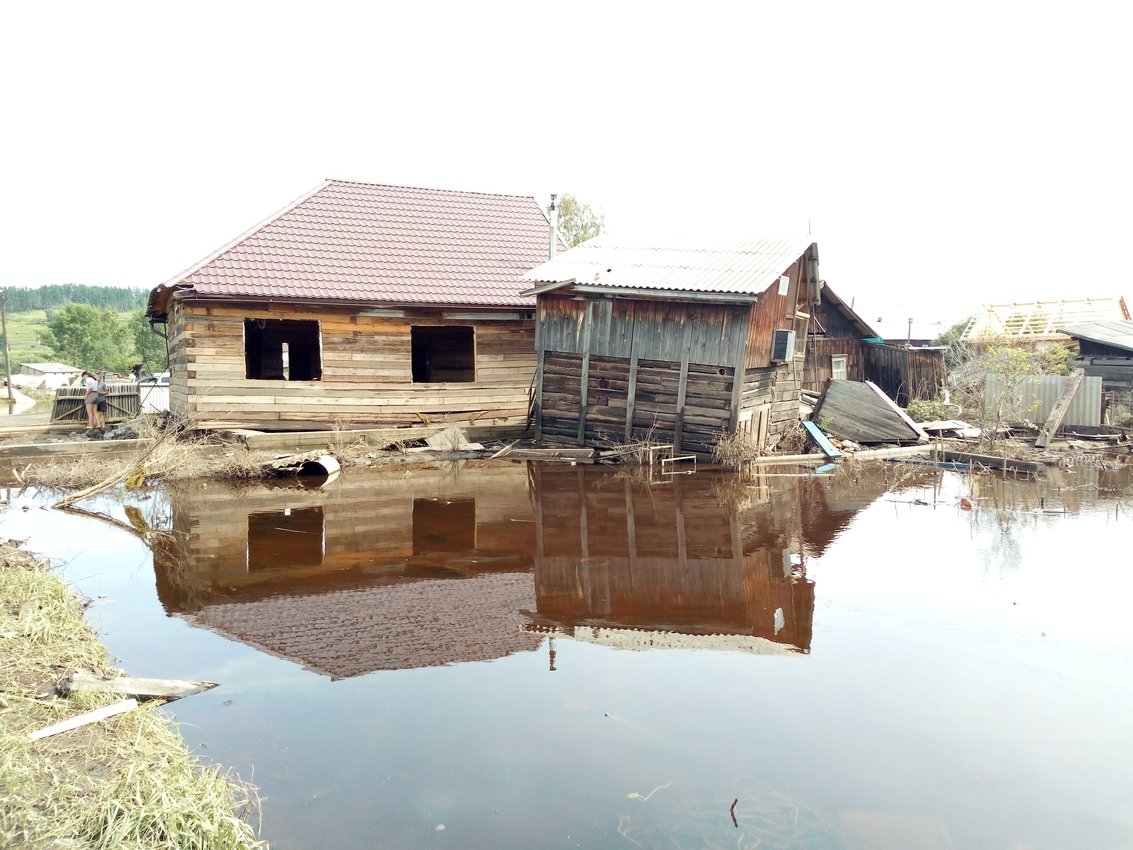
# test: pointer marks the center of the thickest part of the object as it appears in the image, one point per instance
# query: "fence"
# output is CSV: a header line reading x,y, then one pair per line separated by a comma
x,y
1040,393
121,404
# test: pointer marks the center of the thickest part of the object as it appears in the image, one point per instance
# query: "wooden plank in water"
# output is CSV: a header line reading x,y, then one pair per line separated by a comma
x,y
139,688
819,439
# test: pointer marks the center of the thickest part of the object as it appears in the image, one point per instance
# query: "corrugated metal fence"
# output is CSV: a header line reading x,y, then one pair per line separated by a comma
x,y
1039,394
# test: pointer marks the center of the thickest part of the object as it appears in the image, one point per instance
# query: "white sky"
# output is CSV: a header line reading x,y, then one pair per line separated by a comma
x,y
945,156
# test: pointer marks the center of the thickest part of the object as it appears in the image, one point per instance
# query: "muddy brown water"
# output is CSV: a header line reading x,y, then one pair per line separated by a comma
x,y
504,655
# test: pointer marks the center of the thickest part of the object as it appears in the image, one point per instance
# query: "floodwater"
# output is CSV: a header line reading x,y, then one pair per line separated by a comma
x,y
539,656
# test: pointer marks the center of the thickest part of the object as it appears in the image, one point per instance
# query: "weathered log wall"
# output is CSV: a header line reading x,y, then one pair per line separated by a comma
x,y
367,371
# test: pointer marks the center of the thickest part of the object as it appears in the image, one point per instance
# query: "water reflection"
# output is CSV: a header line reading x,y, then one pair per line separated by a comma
x,y
370,574
436,568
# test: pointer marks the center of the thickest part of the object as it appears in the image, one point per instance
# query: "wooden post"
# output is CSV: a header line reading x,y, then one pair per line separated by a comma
x,y
682,386
631,390
7,359
584,378
1050,428
539,395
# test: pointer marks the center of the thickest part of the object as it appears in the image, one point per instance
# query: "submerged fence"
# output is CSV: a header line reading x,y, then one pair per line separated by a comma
x,y
1038,395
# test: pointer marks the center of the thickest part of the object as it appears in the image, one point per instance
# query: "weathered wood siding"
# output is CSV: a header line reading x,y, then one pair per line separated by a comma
x,y
902,373
367,376
614,371
818,368
831,322
712,334
1116,372
905,374
774,312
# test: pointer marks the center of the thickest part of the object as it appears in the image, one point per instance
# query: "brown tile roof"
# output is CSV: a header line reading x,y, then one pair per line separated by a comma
x,y
371,243
354,630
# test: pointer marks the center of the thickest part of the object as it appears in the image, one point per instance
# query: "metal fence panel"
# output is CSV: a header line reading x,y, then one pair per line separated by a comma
x,y
1039,394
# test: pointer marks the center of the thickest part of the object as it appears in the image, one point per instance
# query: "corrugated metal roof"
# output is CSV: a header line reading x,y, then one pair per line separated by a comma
x,y
1118,334
383,244
742,267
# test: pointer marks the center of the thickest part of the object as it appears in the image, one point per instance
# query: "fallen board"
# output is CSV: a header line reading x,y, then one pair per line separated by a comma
x,y
815,433
992,462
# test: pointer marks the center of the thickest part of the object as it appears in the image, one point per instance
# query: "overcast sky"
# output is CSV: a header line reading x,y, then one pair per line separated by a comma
x,y
943,156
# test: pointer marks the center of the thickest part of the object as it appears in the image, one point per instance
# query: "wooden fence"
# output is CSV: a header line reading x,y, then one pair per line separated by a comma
x,y
122,403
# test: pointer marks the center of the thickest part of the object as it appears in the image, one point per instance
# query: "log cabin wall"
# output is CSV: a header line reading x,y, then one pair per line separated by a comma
x,y
618,370
368,372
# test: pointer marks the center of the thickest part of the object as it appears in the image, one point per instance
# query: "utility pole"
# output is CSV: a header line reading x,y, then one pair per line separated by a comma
x,y
7,359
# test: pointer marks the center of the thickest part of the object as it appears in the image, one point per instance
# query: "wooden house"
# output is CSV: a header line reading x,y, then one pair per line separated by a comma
x,y
1105,350
841,345
360,305
672,344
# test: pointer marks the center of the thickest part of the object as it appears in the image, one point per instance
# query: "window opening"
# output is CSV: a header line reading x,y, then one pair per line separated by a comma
x,y
443,354
282,350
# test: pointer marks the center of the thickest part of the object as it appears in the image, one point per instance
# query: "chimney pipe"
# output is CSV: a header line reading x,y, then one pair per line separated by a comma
x,y
553,214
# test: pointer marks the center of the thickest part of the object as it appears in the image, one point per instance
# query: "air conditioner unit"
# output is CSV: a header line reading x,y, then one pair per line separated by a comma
x,y
783,345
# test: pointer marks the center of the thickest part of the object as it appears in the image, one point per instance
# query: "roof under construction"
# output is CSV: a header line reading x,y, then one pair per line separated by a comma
x,y
1041,320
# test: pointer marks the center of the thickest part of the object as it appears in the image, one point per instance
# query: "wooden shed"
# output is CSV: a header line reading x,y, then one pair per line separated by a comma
x,y
676,343
1105,350
360,305
842,346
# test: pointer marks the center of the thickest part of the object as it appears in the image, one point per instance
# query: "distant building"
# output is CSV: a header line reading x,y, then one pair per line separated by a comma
x,y
1039,322
45,376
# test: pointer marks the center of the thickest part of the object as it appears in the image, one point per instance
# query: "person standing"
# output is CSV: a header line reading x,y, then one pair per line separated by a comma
x,y
90,400
103,402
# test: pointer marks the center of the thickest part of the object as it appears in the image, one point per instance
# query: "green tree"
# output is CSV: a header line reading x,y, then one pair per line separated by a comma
x,y
149,348
577,222
89,337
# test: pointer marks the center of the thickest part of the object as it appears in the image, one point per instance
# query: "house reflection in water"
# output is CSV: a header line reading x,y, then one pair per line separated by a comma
x,y
377,572
700,561
689,563
383,571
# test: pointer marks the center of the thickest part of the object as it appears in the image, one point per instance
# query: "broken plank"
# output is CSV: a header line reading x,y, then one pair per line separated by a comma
x,y
139,688
819,439
1061,406
84,719
992,462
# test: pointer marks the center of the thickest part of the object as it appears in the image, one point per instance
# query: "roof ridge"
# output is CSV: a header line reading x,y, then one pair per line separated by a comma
x,y
431,189
228,246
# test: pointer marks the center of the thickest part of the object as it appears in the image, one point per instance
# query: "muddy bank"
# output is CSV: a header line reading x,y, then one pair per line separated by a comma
x,y
126,781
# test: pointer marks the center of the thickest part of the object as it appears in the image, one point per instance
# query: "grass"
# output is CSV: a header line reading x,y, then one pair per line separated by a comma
x,y
126,782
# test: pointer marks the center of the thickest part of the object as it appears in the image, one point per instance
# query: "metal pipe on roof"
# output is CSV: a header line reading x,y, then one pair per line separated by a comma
x,y
553,215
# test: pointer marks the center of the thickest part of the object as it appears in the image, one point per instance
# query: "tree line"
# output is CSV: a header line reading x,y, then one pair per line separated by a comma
x,y
98,338
18,299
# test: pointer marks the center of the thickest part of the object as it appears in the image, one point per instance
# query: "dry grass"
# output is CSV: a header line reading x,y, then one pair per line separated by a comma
x,y
177,454
126,782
